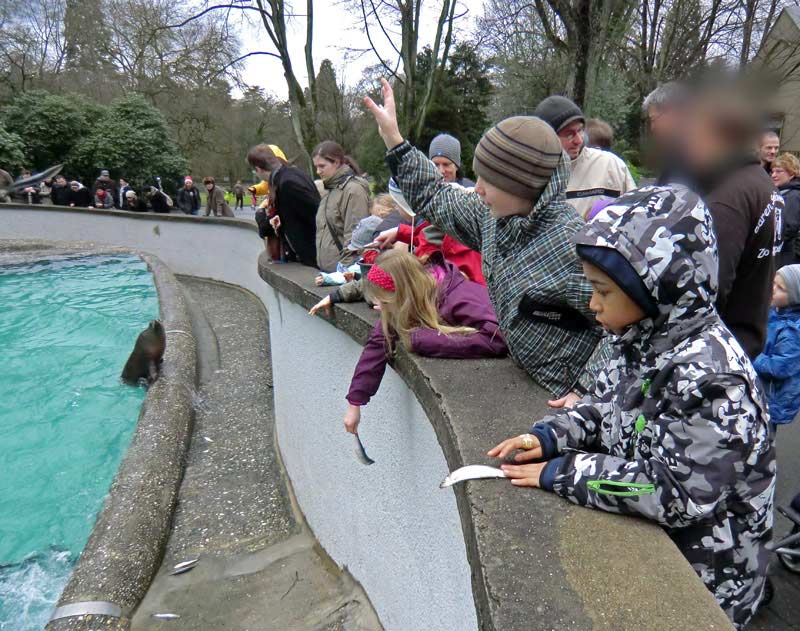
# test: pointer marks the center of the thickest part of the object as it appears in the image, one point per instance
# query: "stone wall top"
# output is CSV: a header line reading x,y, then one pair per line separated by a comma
x,y
538,561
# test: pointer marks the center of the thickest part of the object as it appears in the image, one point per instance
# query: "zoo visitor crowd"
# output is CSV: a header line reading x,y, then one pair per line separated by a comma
x,y
664,319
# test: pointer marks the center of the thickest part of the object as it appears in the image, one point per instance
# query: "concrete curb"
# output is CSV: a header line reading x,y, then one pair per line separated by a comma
x,y
125,548
537,561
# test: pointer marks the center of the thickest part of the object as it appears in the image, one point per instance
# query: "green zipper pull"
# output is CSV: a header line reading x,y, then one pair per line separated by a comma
x,y
641,423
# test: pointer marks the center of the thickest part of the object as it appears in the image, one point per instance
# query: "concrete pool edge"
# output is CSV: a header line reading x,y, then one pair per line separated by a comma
x,y
537,562
127,541
564,580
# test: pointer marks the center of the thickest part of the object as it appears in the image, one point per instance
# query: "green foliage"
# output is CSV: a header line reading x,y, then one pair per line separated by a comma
x,y
12,156
461,103
132,139
49,124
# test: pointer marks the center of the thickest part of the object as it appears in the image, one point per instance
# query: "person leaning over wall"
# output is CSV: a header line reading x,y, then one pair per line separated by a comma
x,y
431,309
266,211
345,203
675,429
215,199
518,219
295,200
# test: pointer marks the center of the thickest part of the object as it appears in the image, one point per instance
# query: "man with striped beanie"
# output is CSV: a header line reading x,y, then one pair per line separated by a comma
x,y
518,219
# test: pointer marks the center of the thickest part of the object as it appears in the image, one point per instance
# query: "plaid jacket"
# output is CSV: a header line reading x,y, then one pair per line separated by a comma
x,y
522,256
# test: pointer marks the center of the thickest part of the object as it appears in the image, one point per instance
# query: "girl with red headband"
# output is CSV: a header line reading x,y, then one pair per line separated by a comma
x,y
431,310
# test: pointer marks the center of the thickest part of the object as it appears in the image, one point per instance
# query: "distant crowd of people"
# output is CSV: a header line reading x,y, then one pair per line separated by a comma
x,y
118,193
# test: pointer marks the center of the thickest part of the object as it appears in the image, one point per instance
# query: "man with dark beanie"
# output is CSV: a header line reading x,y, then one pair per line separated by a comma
x,y
518,219
595,174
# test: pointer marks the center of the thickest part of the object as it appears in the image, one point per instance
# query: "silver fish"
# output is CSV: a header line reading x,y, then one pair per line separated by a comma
x,y
361,453
166,616
471,472
184,566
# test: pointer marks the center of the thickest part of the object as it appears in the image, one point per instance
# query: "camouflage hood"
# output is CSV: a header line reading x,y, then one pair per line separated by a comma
x,y
665,233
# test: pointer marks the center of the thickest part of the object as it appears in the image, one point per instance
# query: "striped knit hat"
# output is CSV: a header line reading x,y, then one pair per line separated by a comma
x,y
518,156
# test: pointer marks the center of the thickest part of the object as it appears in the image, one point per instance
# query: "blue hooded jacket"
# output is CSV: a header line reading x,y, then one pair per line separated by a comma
x,y
779,364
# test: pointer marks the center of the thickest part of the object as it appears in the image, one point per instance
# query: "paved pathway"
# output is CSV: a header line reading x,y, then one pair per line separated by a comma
x,y
260,568
784,611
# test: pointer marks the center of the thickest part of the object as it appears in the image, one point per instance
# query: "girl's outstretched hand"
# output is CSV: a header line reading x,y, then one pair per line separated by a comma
x,y
524,475
352,418
512,444
386,116
386,238
324,304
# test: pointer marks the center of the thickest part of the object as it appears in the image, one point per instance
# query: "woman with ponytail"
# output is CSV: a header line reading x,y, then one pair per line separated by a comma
x,y
431,310
345,203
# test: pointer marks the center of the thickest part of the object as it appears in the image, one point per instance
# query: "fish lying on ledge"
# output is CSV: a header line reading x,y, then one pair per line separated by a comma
x,y
9,186
471,472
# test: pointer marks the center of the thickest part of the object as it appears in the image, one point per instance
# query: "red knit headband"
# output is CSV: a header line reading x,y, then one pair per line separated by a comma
x,y
380,278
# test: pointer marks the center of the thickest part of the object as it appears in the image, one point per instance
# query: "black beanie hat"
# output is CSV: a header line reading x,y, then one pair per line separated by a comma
x,y
558,112
622,273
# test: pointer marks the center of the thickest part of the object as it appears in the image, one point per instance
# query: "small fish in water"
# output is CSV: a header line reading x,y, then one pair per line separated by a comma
x,y
207,439
471,472
166,616
184,566
361,453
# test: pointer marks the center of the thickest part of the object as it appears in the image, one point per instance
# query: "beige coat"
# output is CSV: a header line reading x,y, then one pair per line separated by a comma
x,y
346,203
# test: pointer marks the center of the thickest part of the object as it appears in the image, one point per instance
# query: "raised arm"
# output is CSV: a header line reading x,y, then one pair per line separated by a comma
x,y
456,211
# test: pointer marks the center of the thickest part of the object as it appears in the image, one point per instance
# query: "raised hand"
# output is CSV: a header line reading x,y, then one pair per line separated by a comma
x,y
386,116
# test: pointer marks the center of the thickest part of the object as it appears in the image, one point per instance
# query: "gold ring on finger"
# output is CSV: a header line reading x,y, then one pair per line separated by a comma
x,y
527,441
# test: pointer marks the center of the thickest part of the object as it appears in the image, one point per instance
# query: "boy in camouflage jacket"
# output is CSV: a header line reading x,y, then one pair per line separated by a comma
x,y
675,429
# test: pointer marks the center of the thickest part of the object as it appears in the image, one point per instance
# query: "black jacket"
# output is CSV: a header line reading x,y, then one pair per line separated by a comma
x,y
296,201
82,198
791,223
59,195
188,200
744,206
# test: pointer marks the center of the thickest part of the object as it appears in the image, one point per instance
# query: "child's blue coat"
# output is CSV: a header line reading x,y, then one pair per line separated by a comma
x,y
779,364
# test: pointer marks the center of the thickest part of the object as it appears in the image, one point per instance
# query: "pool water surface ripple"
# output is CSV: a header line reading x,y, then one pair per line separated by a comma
x,y
66,329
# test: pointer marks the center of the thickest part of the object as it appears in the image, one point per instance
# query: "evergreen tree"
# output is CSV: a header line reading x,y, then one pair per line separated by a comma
x,y
131,140
12,156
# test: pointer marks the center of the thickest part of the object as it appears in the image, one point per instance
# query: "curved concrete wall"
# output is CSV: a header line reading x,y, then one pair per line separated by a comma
x,y
536,562
397,533
402,542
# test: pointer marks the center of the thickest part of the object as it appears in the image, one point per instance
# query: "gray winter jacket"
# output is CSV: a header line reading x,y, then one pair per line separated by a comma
x,y
345,204
675,429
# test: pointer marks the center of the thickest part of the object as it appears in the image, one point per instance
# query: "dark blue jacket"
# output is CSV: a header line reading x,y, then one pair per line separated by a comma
x,y
779,364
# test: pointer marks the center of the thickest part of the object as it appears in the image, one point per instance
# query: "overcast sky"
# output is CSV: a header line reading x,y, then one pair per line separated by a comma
x,y
335,30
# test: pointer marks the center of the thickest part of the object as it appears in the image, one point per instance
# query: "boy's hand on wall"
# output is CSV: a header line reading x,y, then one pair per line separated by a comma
x,y
567,401
527,443
386,116
525,474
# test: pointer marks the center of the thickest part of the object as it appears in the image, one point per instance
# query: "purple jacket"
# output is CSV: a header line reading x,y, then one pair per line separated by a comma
x,y
461,303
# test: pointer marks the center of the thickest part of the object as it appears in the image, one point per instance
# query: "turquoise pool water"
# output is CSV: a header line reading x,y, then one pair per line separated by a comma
x,y
66,328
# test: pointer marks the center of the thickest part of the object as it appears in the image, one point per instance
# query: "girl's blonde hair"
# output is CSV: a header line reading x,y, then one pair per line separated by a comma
x,y
414,302
788,162
382,205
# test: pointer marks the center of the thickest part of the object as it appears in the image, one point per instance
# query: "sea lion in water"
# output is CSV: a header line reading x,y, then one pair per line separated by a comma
x,y
147,354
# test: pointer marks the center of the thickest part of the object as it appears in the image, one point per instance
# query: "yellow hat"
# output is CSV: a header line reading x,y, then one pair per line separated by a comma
x,y
277,151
